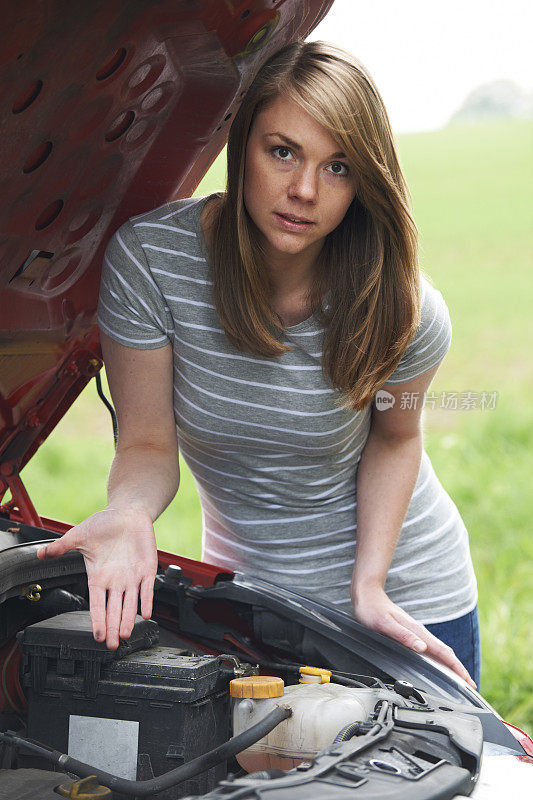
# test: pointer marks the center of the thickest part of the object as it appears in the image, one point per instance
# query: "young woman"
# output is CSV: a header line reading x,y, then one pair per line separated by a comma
x,y
256,328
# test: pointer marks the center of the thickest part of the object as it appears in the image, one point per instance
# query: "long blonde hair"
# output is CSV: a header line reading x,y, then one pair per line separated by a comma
x,y
369,263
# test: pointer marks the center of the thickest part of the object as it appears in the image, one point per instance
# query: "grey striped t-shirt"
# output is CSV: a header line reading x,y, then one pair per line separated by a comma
x,y
272,449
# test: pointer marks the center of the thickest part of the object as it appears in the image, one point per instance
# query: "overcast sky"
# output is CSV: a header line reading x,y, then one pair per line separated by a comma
x,y
427,55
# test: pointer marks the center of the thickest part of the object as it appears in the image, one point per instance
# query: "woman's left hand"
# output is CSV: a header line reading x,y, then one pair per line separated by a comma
x,y
374,609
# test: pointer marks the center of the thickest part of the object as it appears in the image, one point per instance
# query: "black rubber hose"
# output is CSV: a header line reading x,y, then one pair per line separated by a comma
x,y
108,405
347,732
146,788
278,666
347,681
367,727
335,677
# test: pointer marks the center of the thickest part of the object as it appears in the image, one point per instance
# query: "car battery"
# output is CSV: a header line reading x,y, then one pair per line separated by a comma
x,y
137,712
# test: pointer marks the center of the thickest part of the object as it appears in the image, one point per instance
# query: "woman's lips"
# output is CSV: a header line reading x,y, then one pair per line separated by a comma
x,y
290,224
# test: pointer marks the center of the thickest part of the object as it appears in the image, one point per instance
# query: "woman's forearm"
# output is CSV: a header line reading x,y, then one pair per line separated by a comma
x,y
386,478
143,476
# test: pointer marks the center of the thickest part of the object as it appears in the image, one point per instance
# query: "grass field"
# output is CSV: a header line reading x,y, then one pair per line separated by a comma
x,y
471,188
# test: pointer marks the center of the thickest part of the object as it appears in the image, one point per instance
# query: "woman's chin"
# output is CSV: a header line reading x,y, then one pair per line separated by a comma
x,y
287,245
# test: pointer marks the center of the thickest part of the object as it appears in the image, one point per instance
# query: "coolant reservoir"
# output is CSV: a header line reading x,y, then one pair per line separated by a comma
x,y
319,711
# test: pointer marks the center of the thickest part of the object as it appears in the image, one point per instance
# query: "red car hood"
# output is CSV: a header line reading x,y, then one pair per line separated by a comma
x,y
110,108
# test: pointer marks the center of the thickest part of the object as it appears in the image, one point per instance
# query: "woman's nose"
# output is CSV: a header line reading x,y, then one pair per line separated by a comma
x,y
304,184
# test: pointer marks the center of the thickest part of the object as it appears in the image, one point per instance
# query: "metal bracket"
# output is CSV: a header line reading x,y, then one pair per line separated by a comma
x,y
10,479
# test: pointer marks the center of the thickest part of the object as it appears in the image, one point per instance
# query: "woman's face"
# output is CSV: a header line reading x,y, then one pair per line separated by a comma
x,y
298,185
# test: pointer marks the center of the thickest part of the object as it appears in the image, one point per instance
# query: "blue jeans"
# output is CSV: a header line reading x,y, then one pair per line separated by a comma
x,y
462,635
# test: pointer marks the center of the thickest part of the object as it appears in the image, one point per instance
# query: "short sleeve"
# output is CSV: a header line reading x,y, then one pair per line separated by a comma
x,y
131,307
431,341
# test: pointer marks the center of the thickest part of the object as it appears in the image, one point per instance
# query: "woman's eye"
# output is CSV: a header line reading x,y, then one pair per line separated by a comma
x,y
283,153
338,168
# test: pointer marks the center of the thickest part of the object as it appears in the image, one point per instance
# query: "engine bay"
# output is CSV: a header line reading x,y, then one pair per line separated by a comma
x,y
157,717
140,712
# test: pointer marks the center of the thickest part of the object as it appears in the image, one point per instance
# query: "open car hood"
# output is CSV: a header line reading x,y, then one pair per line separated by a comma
x,y
110,109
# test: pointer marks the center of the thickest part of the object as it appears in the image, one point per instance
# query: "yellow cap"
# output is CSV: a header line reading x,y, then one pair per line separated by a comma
x,y
85,789
257,687
323,674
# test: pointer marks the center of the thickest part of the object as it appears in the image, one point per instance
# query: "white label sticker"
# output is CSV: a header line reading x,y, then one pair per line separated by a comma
x,y
109,744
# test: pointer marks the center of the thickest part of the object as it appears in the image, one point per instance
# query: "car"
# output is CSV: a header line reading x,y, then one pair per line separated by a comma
x,y
113,109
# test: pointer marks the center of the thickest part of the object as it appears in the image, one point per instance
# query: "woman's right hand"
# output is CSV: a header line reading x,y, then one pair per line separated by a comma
x,y
120,554
118,544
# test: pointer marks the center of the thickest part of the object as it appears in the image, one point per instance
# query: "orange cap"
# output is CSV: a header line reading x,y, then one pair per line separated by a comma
x,y
257,687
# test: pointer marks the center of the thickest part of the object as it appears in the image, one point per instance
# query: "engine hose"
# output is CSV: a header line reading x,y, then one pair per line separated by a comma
x,y
347,681
295,668
347,732
147,788
278,666
368,727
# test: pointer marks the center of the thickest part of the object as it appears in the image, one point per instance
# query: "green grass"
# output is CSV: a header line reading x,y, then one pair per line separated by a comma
x,y
471,187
